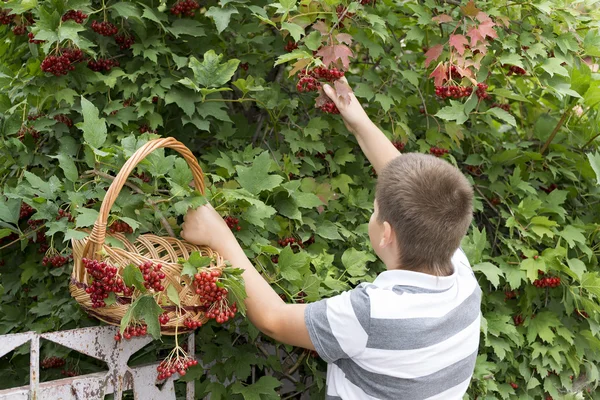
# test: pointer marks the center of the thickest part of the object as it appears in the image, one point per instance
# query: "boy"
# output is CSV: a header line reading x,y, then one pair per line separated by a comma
x,y
414,332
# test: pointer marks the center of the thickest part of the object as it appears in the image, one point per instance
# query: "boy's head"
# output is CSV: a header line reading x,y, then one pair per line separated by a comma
x,y
423,209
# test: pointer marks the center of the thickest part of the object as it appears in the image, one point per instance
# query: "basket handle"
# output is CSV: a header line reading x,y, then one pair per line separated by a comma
x,y
98,234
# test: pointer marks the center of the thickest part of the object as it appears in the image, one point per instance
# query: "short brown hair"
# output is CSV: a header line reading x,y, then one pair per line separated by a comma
x,y
428,203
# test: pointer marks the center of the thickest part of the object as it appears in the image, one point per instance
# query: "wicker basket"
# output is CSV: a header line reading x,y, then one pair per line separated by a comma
x,y
158,250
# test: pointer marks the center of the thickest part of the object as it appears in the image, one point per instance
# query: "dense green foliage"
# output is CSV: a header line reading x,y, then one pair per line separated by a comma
x,y
224,83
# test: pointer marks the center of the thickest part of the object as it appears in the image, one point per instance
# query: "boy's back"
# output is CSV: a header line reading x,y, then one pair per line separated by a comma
x,y
407,335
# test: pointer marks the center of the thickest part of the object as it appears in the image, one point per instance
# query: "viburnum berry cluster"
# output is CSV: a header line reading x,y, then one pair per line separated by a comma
x,y
62,64
104,281
514,70
510,294
68,372
550,188
300,297
64,214
75,15
322,156
582,313
290,46
56,260
518,319
275,259
329,107
185,7
28,130
438,152
482,91
177,362
153,276
102,64
25,211
214,295
546,281
64,119
120,227
474,170
514,385
133,331
143,177
191,324
504,106
342,14
452,91
232,223
124,41
52,362
5,17
19,30
398,145
221,311
294,243
163,319
104,28
144,128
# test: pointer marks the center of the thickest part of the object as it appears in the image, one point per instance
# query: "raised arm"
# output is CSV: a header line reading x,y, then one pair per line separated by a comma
x,y
283,322
376,146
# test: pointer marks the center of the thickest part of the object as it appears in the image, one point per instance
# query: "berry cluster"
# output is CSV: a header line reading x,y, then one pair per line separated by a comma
x,y
5,17
25,211
300,297
290,46
323,155
104,28
504,106
206,286
178,364
153,276
64,119
105,280
102,64
553,281
163,319
329,108
275,260
155,99
581,313
32,39
120,226
63,214
75,15
191,324
474,169
518,319
454,92
221,311
144,128
550,188
342,14
132,331
124,41
19,30
482,91
143,177
68,372
34,223
185,7
34,117
295,244
52,362
438,152
309,80
510,294
514,385
56,260
232,223
63,63
24,130
398,145
513,69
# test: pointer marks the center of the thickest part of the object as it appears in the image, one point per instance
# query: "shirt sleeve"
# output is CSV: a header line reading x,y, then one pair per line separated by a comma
x,y
339,326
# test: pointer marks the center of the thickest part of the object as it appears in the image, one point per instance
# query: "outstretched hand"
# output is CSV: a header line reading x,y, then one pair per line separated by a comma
x,y
350,109
205,227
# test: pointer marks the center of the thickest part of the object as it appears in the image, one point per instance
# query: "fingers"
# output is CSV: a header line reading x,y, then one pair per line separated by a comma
x,y
330,92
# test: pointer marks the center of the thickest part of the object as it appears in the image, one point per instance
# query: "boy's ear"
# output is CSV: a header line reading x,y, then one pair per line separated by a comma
x,y
388,236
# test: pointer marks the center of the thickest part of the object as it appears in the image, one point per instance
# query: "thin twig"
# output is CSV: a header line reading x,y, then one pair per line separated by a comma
x,y
486,199
163,220
555,131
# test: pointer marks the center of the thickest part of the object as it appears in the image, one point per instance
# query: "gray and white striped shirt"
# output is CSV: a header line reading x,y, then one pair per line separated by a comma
x,y
406,336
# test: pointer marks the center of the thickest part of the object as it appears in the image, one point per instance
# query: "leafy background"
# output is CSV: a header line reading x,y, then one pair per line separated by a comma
x,y
220,82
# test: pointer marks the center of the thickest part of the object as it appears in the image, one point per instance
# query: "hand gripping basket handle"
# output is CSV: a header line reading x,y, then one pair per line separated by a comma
x,y
98,235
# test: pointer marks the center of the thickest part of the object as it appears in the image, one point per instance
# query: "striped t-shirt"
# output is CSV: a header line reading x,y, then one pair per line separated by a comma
x,y
407,335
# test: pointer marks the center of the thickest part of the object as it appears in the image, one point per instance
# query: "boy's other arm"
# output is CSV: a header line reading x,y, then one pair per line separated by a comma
x,y
376,146
283,322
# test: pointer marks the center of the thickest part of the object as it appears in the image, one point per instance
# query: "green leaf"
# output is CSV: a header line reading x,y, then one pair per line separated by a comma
x,y
148,310
256,178
511,59
94,128
577,266
503,115
454,112
210,72
198,260
73,234
194,201
385,101
491,272
221,16
68,166
184,98
296,31
131,222
85,217
552,66
411,76
111,299
355,261
188,269
132,276
186,26
573,235
594,159
126,10
173,295
541,325
313,40
510,95
264,386
591,282
531,267
291,264
328,230
9,210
